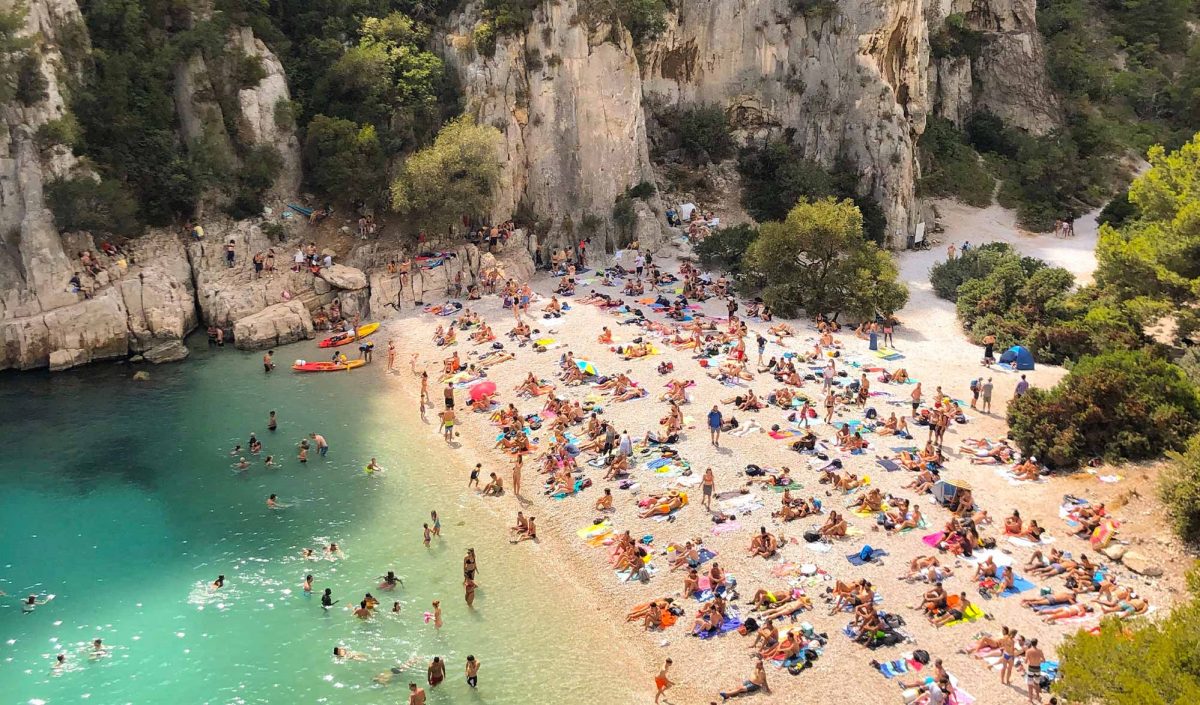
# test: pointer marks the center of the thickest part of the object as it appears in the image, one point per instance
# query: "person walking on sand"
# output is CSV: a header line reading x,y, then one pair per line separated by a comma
x,y
516,475
916,399
830,405
706,487
662,681
447,417
714,426
985,394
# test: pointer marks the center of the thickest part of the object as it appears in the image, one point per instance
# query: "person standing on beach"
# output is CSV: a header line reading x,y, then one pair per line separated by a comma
x,y
989,344
762,347
986,395
661,681
916,399
474,479
1022,388
391,356
448,395
830,405
1007,654
447,417
1033,671
706,486
268,363
625,447
516,475
976,388
714,426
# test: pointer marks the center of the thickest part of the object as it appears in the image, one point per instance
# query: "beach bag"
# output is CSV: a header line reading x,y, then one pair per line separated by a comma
x,y
812,536
921,656
974,385
753,470
871,413
864,553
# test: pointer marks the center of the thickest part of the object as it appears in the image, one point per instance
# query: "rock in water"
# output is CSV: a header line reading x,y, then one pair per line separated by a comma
x,y
66,359
343,277
141,375
170,351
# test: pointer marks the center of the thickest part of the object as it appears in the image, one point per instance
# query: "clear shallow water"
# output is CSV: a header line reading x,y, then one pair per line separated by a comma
x,y
120,498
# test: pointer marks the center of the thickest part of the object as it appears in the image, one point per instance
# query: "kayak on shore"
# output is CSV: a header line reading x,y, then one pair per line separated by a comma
x,y
346,338
303,366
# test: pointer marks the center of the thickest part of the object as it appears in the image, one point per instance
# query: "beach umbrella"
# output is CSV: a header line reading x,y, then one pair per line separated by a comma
x,y
585,367
482,390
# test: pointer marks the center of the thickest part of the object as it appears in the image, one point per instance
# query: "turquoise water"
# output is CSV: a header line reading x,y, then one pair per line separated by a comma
x,y
121,499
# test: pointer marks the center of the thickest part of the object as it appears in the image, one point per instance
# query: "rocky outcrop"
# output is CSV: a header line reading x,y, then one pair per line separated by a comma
x,y
1007,74
172,351
266,112
278,324
340,276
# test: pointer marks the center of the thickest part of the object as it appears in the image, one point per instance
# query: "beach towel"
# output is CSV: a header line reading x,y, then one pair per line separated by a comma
x,y
856,559
932,540
1026,543
731,623
971,614
624,575
597,529
726,528
1020,584
783,433
887,464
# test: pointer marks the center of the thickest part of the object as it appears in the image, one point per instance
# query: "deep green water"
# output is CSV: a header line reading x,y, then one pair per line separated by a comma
x,y
120,498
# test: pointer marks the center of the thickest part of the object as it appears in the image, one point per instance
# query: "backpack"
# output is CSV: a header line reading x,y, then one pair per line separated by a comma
x,y
871,413
812,536
974,384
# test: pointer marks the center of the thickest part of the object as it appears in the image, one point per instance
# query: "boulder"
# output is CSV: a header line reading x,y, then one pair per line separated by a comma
x,y
274,325
66,359
141,375
1141,564
170,351
343,277
1115,551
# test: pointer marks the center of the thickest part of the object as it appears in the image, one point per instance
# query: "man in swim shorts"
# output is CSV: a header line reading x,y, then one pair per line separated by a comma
x,y
661,681
436,673
472,671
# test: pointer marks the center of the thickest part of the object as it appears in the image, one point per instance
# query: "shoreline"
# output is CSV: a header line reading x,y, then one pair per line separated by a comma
x,y
939,357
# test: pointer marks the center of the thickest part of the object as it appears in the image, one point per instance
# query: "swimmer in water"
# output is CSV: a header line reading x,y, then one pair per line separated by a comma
x,y
60,661
388,582
31,603
98,650
237,450
272,503
469,591
437,614
307,584
308,554
341,653
362,612
242,464
254,444
428,535
332,551
271,422
218,583
269,462
327,600
416,696
373,467
396,607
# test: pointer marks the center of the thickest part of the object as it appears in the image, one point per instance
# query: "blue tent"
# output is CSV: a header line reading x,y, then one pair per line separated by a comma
x,y
1019,357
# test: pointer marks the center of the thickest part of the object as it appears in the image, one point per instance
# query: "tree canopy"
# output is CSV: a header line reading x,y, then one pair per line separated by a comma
x,y
818,260
452,177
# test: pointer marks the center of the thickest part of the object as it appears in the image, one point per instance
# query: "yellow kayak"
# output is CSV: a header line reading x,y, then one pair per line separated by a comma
x,y
345,338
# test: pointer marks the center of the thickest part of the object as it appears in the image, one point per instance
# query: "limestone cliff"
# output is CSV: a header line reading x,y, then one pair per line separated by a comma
x,y
1004,74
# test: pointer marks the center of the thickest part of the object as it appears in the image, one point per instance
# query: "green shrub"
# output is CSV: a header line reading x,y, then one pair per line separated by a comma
x,y
1122,405
725,247
247,70
705,134
1180,490
31,84
344,160
642,190
64,130
814,8
950,168
955,38
483,37
776,176
93,206
1119,211
976,263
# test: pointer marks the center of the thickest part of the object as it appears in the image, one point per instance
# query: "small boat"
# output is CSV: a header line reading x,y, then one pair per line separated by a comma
x,y
302,366
334,341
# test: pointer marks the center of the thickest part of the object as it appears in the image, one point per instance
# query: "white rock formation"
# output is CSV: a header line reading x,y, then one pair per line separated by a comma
x,y
278,324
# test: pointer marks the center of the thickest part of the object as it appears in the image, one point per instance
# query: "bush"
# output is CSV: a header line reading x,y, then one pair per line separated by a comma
x,y
31,84
1119,211
818,260
725,247
955,38
1180,490
64,130
1123,405
814,8
950,168
976,263
704,133
93,206
642,190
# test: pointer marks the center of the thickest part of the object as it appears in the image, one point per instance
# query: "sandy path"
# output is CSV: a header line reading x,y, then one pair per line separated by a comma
x,y
936,353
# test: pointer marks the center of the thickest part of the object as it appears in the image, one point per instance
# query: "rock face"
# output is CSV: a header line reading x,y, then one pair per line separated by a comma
x,y
172,351
1007,77
278,324
574,130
